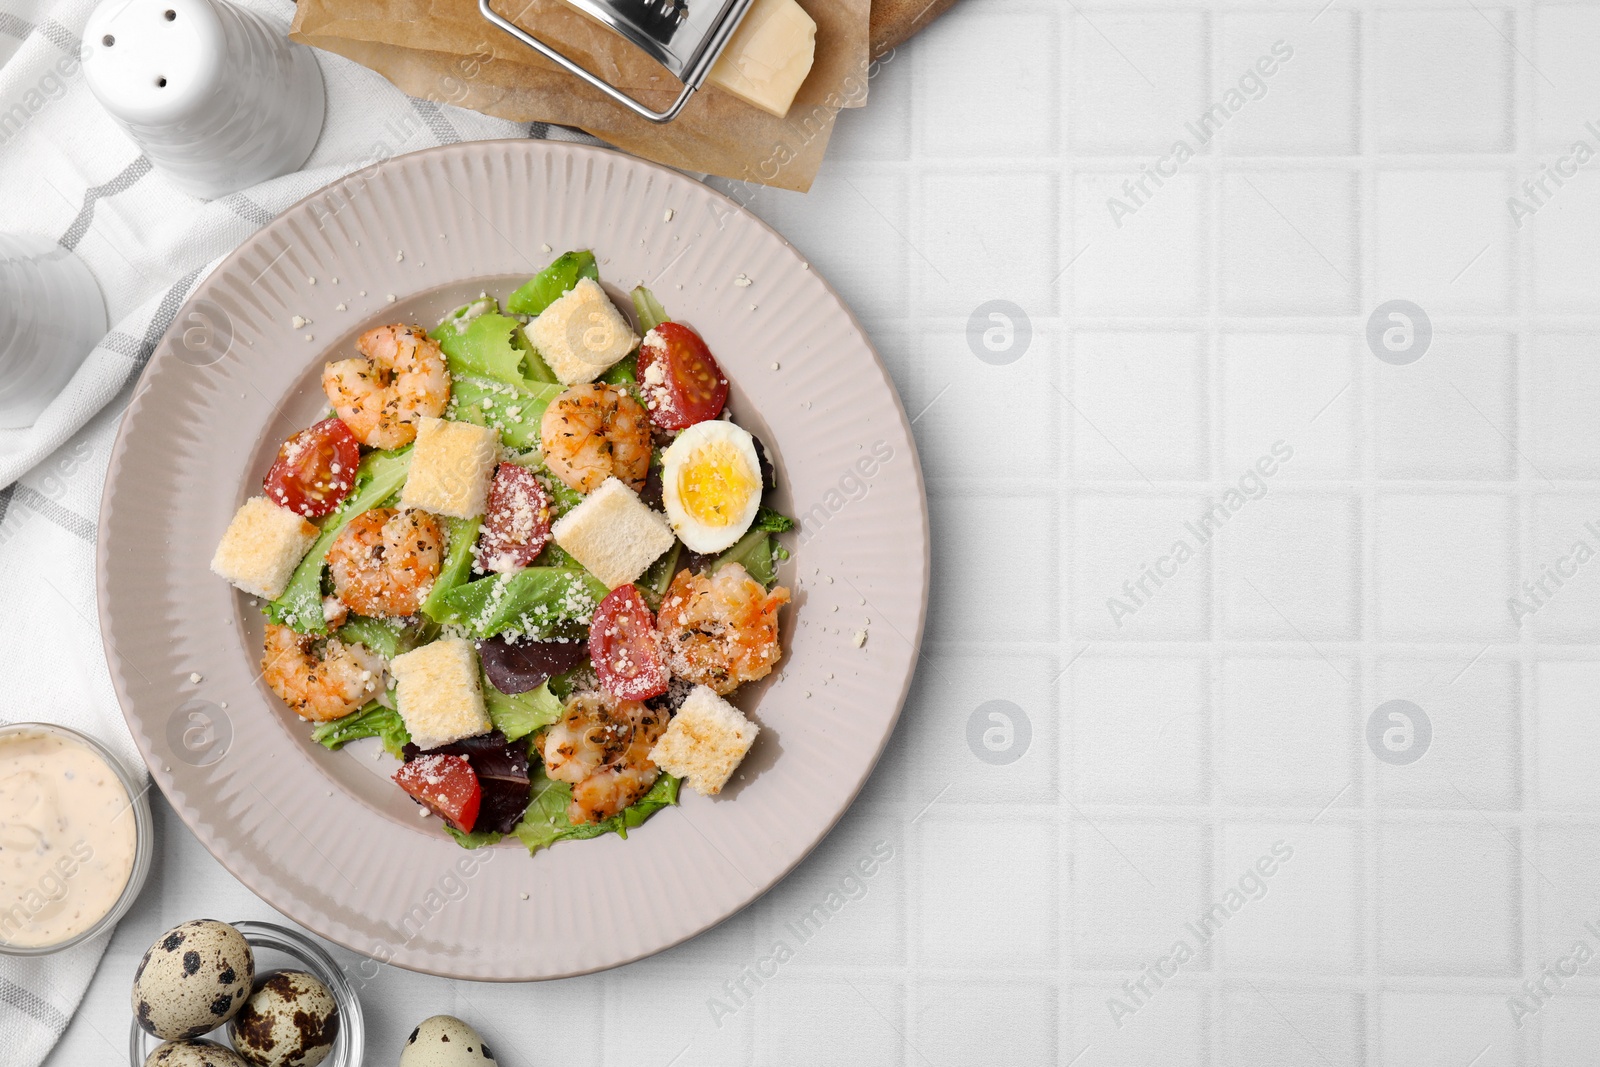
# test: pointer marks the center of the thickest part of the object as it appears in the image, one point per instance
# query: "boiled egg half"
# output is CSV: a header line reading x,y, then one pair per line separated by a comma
x,y
711,485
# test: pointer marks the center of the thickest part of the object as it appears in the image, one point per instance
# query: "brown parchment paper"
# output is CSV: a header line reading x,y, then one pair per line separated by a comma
x,y
445,51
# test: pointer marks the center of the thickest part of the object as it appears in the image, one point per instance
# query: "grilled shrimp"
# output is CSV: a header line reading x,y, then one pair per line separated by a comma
x,y
720,630
602,747
319,680
592,432
385,561
400,378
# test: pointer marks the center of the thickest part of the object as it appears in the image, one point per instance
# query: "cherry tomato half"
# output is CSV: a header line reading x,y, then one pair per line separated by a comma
x,y
315,469
445,785
681,382
516,522
624,648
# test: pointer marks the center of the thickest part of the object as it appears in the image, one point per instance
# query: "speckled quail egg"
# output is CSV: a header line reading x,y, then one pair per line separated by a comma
x,y
289,1020
192,1054
192,980
445,1041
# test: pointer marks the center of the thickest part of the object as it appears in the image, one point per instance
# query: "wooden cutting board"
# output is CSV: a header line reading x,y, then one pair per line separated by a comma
x,y
895,21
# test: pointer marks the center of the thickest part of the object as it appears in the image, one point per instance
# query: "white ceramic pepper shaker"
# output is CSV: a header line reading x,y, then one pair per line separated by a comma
x,y
51,317
216,95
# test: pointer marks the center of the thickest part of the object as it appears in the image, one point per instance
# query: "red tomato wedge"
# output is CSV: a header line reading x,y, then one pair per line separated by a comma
x,y
516,523
624,648
315,469
445,785
681,382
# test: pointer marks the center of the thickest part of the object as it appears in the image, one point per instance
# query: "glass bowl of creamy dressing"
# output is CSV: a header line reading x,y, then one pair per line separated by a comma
x,y
75,838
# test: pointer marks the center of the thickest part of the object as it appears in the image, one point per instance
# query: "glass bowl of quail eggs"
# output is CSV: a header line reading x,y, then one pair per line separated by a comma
x,y
242,994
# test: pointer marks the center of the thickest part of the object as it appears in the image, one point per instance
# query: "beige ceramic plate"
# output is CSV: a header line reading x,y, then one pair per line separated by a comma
x,y
324,836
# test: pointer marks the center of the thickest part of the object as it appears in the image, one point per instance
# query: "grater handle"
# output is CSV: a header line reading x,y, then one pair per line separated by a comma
x,y
599,83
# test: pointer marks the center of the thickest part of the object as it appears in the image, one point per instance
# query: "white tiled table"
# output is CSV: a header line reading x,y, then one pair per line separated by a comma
x,y
1167,746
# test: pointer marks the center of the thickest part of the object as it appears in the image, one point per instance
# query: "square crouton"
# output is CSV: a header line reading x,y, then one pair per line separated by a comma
x,y
613,533
581,334
451,467
262,546
437,690
707,740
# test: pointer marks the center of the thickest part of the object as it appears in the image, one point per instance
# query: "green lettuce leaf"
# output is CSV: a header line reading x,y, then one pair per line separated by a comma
x,y
772,521
476,839
456,570
754,552
485,348
378,478
514,410
387,637
521,714
649,310
624,373
546,820
538,602
546,287
374,720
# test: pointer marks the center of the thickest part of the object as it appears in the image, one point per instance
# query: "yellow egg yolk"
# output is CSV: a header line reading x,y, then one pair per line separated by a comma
x,y
716,483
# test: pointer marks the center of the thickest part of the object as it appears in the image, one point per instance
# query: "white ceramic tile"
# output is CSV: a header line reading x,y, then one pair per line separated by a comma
x,y
866,1022
1135,886
1442,80
844,905
1444,239
1444,1028
1555,219
1565,880
1015,600
1289,244
1566,700
1558,598
1473,760
682,1019
1170,1028
984,730
1115,538
1288,732
1004,233
1444,564
1004,908
1139,728
984,1023
1136,78
1295,79
1563,437
872,206
1290,565
1286,897
955,121
1452,413
1138,404
958,399
1136,252
1568,1027
1301,389
1449,899
1560,34
1263,1026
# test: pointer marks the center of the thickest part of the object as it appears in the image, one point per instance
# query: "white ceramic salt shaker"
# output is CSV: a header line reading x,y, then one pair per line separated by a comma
x,y
216,95
51,317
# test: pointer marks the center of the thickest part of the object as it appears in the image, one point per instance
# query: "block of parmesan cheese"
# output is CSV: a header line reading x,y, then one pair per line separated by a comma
x,y
262,546
767,59
451,468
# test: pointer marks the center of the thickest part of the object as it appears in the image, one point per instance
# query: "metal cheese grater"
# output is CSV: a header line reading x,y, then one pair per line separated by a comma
x,y
684,36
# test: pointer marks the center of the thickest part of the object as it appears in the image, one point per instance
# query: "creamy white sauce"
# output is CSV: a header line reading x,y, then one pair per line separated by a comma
x,y
67,838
